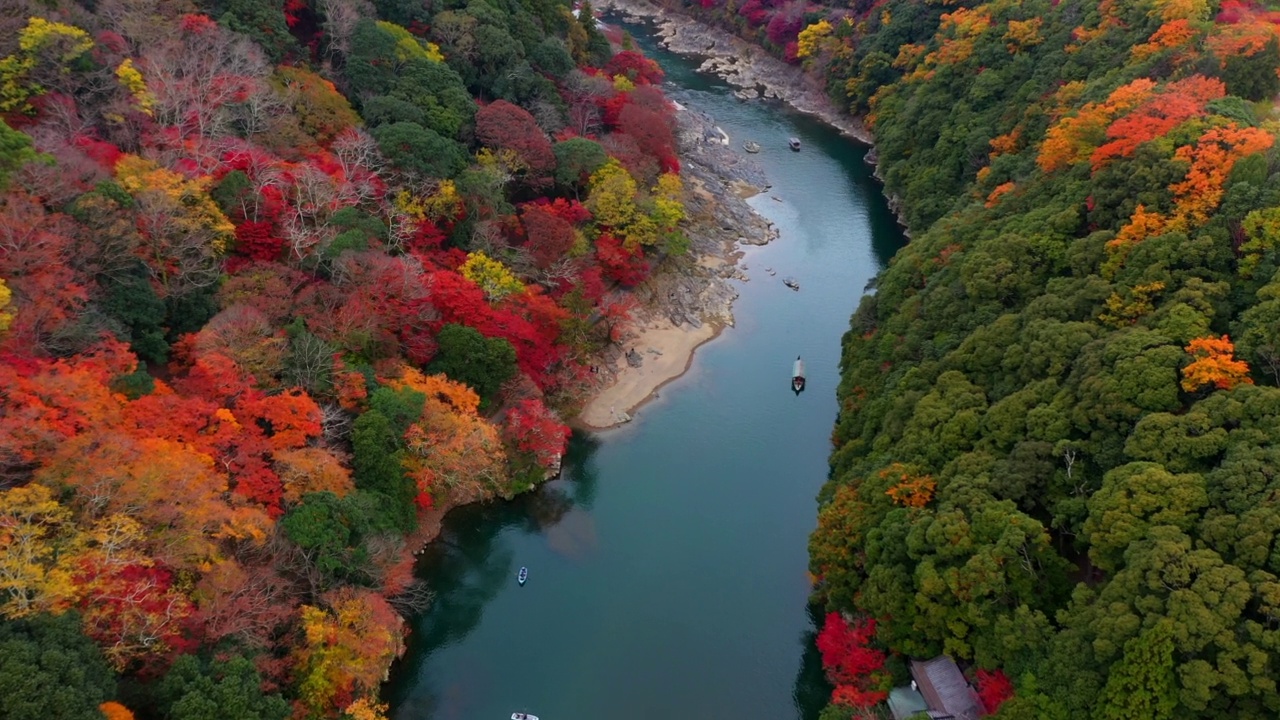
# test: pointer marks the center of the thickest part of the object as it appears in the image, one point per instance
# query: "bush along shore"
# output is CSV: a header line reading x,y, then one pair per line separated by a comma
x,y
1057,410
279,287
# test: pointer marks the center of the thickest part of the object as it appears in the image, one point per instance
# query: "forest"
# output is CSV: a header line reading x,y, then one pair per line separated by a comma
x,y
1057,447
276,280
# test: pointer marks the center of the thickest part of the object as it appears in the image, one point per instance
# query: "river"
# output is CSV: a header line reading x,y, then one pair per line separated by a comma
x,y
667,567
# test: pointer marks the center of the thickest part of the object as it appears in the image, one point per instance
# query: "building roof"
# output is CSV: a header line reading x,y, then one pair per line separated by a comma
x,y
945,690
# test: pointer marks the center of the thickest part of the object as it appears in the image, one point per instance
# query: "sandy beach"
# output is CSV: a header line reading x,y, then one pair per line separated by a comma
x,y
667,350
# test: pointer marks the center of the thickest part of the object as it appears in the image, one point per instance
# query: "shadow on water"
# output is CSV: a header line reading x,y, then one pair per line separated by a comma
x,y
468,565
811,690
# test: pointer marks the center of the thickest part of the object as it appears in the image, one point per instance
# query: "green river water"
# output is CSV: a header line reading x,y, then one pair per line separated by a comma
x,y
667,565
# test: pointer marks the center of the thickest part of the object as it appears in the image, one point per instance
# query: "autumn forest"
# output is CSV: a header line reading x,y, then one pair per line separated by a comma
x,y
276,281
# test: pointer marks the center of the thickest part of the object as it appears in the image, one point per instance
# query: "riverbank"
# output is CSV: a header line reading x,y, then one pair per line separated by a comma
x,y
689,300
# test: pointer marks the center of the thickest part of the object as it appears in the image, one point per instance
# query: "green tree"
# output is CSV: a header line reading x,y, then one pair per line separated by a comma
x,y
1253,77
379,452
15,151
576,160
216,690
49,669
467,356
420,151
1142,684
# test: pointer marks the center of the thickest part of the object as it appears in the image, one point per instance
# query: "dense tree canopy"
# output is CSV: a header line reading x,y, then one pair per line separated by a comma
x,y
234,237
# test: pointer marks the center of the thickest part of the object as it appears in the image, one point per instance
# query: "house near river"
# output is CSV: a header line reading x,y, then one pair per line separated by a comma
x,y
939,691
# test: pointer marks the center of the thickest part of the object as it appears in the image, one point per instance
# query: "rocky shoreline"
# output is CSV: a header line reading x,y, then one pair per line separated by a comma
x,y
756,74
689,300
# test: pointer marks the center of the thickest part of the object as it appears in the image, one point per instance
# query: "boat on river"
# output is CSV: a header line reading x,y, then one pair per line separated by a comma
x,y
520,578
751,146
523,716
797,376
794,144
791,283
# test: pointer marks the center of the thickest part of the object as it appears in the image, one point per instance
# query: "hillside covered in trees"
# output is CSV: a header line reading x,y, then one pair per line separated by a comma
x,y
1058,445
276,278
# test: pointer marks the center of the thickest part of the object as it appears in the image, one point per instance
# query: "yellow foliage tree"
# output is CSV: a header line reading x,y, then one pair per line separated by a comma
x,y
6,316
491,275
346,648
186,232
1023,34
35,530
409,47
131,79
40,42
809,42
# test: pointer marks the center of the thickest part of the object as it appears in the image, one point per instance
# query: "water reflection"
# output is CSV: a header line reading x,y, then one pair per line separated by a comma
x,y
811,690
469,565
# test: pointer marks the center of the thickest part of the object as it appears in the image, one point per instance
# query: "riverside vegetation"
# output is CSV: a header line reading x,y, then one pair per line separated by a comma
x,y
277,281
1057,446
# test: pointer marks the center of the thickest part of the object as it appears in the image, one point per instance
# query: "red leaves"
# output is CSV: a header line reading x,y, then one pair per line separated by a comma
x,y
636,67
852,665
533,429
619,264
504,126
993,689
256,240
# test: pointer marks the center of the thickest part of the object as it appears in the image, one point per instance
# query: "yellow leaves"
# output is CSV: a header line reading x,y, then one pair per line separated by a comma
x,y
491,275
346,651
6,316
668,210
408,47
623,84
810,39
1214,364
35,531
130,78
1170,10
1261,227
185,204
40,41
1022,34
70,41
612,195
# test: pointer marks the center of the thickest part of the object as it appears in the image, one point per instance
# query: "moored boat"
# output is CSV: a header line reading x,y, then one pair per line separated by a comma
x,y
524,575
523,716
794,144
751,146
797,375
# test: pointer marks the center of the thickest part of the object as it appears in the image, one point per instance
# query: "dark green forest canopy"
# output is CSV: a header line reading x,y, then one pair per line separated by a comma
x,y
1059,427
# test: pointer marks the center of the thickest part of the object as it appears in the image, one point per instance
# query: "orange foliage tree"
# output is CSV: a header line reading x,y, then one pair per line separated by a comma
x,y
347,646
908,489
1211,160
1214,364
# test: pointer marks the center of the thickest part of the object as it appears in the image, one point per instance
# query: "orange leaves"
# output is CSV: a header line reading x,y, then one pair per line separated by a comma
x,y
1211,160
1214,365
1174,34
998,192
307,470
289,419
451,447
908,490
1157,114
115,711
1074,137
1022,34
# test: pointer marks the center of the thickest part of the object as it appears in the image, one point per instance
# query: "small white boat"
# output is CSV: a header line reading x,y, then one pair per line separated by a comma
x,y
791,283
523,716
794,144
751,146
797,376
520,578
